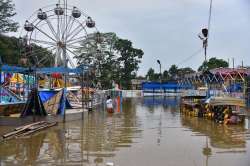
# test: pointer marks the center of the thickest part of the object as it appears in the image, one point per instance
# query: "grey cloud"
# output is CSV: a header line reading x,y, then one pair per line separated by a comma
x,y
167,29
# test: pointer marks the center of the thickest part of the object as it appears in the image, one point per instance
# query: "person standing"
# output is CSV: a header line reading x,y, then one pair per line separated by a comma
x,y
109,104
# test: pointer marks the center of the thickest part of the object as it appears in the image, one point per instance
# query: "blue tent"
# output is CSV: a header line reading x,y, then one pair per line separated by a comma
x,y
35,103
47,95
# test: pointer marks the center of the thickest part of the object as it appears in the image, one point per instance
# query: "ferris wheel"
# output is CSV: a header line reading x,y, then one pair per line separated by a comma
x,y
55,33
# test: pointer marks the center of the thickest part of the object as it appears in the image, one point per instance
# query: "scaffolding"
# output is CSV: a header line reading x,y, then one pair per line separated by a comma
x,y
232,81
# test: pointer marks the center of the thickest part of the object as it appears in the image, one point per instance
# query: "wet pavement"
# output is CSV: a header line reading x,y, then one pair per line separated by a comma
x,y
149,132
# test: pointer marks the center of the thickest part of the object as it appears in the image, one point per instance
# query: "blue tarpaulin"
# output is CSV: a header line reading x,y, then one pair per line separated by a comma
x,y
158,86
46,70
51,70
13,69
64,102
34,105
47,95
235,88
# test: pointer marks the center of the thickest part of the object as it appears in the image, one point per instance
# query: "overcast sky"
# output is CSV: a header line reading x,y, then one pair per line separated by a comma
x,y
167,29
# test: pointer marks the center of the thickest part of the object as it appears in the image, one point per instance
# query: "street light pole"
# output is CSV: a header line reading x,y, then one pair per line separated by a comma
x,y
159,62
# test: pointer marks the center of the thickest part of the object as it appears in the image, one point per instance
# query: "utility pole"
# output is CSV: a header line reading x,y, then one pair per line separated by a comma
x,y
204,35
159,62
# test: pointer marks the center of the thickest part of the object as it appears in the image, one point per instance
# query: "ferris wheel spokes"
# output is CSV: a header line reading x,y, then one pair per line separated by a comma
x,y
64,34
70,61
72,52
45,58
42,42
70,27
52,29
39,52
70,33
78,41
45,33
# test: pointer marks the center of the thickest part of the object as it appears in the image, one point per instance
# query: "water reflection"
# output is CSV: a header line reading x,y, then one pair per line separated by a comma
x,y
221,136
145,133
161,101
100,136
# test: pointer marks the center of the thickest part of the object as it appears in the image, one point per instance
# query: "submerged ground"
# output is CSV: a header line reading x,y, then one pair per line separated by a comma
x,y
149,132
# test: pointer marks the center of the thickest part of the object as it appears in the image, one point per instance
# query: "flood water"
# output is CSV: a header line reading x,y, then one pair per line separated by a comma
x,y
149,132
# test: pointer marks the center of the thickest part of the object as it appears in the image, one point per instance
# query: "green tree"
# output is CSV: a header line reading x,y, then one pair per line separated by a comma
x,y
6,13
114,59
212,64
12,52
173,71
152,76
101,56
9,49
184,71
165,76
129,59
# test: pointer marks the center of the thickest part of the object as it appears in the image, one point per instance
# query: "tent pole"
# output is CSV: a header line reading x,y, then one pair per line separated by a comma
x,y
82,94
0,80
65,81
65,87
28,87
50,87
23,86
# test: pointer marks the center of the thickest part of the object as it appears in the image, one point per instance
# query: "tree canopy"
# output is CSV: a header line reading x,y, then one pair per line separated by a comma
x,y
114,59
213,63
173,71
152,76
9,50
13,51
7,11
169,75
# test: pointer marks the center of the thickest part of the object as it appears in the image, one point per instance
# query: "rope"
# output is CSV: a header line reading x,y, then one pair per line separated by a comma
x,y
191,56
201,49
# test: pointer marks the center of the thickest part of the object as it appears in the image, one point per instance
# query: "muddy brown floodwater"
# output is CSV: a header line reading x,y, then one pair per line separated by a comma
x,y
149,132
